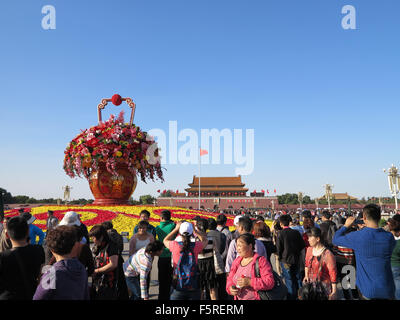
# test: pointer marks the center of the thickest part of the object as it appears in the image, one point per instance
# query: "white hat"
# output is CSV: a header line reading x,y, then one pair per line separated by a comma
x,y
186,227
71,218
236,220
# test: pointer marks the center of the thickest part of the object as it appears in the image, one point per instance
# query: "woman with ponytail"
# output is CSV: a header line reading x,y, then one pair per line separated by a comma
x,y
183,244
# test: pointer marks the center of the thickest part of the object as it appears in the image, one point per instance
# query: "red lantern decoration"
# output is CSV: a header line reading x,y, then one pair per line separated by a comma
x,y
116,99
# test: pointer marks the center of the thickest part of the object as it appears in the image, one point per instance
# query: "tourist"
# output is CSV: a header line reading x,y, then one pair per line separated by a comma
x,y
235,233
345,258
140,239
51,221
181,247
373,248
219,239
164,260
20,267
289,246
67,278
328,229
138,267
320,263
72,218
145,216
394,228
221,226
5,242
245,225
262,233
242,282
34,231
108,277
207,273
114,235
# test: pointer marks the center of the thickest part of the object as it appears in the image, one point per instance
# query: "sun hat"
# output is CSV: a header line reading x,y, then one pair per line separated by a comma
x,y
186,227
28,217
236,220
71,218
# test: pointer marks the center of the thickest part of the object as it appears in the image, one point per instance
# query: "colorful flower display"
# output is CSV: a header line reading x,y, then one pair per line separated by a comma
x,y
113,142
124,218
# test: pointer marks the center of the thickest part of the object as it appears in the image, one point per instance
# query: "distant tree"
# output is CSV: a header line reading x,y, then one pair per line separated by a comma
x,y
146,199
7,197
167,194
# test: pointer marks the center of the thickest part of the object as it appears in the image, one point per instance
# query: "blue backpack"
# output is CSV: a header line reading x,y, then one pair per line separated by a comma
x,y
186,271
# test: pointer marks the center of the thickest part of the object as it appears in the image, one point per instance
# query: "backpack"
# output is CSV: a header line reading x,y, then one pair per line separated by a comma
x,y
186,273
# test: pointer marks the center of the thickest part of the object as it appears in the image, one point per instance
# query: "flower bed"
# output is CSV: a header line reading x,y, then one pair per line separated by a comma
x,y
124,218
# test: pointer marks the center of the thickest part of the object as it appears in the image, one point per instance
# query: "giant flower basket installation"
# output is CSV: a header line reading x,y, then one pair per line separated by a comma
x,y
111,155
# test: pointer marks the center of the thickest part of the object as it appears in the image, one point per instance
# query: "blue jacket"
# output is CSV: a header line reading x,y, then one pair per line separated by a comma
x,y
373,250
35,231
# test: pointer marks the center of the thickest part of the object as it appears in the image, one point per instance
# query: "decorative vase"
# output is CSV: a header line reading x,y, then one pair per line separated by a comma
x,y
112,190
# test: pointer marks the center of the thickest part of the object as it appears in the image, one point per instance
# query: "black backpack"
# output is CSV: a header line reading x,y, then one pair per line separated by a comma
x,y
223,241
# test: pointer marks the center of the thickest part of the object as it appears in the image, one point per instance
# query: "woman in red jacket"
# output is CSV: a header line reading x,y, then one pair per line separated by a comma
x,y
242,282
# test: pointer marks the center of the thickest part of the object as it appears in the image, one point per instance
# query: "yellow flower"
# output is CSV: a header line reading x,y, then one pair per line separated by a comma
x,y
118,153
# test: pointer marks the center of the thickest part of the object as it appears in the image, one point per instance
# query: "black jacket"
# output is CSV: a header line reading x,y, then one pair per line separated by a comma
x,y
289,245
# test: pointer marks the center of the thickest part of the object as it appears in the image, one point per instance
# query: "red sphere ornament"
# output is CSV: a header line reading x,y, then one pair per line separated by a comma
x,y
116,99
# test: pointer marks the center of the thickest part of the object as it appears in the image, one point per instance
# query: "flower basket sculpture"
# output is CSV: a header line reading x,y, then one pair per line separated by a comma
x,y
111,155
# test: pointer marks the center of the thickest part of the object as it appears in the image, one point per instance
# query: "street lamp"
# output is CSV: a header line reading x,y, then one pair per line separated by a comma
x,y
300,196
394,182
328,193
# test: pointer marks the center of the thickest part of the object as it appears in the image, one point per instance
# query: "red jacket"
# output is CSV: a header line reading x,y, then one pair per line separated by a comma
x,y
266,280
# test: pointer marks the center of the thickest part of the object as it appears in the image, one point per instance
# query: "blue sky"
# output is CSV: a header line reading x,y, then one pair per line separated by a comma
x,y
323,101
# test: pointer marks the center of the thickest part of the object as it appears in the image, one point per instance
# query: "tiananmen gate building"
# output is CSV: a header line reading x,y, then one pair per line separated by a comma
x,y
218,193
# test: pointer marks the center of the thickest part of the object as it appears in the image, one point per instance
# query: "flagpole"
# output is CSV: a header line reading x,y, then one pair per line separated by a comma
x,y
199,175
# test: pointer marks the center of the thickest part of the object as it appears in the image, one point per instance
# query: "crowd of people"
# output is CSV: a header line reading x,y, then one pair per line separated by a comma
x,y
308,255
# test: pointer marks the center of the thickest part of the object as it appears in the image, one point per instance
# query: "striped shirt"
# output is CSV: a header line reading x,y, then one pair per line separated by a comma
x,y
140,265
208,251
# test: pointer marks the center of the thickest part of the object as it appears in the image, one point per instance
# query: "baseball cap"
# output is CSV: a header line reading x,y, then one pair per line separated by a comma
x,y
186,227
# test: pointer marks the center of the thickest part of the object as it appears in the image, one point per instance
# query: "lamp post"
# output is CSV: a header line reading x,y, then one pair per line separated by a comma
x,y
328,194
300,197
394,181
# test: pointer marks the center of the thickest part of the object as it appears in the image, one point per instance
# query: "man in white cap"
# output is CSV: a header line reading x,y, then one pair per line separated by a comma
x,y
71,218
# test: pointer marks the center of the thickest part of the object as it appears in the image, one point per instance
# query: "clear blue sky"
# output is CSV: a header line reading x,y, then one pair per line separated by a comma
x,y
323,101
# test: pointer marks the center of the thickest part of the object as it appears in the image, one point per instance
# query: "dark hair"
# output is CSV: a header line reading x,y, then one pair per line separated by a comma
x,y
17,228
154,247
79,233
212,224
277,225
285,220
143,224
144,212
221,219
316,232
313,291
306,214
246,224
107,225
166,215
248,238
61,239
98,231
394,223
326,214
202,224
261,230
372,212
260,218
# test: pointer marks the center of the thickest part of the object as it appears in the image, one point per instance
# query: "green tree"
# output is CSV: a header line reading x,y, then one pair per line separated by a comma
x,y
146,199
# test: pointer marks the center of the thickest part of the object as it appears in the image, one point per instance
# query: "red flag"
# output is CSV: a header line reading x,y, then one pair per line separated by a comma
x,y
165,191
203,152
263,191
158,191
177,191
274,190
254,191
267,191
